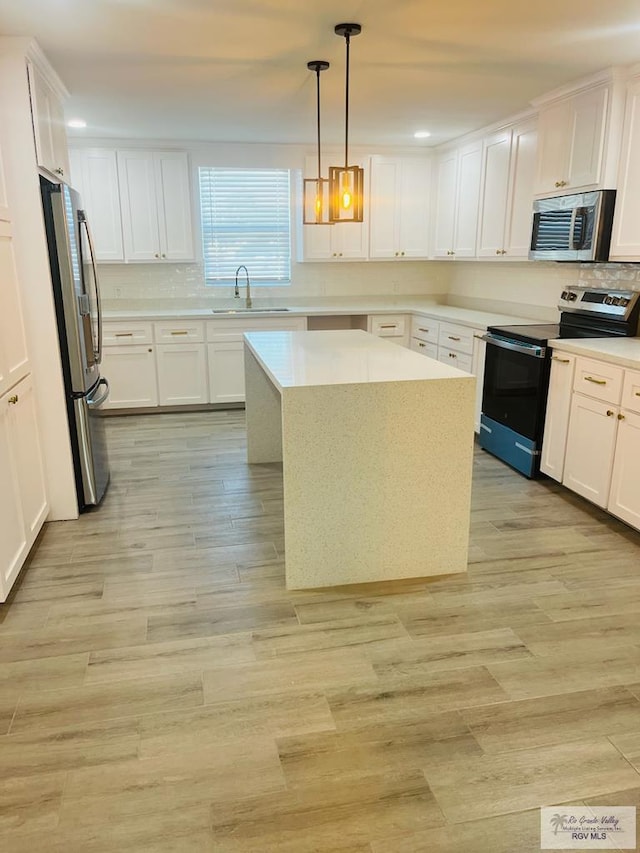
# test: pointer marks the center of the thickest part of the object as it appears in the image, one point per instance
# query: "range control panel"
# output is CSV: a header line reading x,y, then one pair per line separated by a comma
x,y
609,303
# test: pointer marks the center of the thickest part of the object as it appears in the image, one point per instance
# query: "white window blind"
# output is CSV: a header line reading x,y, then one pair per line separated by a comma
x,y
246,220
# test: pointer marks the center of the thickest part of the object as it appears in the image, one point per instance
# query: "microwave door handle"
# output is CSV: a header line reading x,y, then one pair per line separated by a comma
x,y
572,226
581,212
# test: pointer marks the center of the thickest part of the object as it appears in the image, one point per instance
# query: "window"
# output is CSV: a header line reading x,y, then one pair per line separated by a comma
x,y
246,220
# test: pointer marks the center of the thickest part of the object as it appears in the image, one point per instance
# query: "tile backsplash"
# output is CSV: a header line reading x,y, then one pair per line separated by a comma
x,y
185,282
626,276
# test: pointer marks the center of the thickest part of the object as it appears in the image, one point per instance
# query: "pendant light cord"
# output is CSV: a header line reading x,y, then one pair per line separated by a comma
x,y
346,107
318,99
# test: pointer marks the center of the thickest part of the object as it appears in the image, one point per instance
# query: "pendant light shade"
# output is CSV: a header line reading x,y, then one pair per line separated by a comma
x,y
346,183
316,190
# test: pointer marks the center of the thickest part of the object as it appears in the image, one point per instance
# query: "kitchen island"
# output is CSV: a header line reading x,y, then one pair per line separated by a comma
x,y
376,444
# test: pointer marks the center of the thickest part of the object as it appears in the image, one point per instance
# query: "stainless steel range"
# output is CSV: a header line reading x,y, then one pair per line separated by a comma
x,y
516,377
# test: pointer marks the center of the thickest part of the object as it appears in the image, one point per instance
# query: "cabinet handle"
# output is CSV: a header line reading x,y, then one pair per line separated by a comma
x,y
335,254
163,255
561,183
561,360
402,254
479,337
610,414
427,330
595,381
389,326
149,350
620,417
156,255
637,393
452,355
498,252
180,333
123,335
453,338
59,171
422,345
13,400
503,252
397,253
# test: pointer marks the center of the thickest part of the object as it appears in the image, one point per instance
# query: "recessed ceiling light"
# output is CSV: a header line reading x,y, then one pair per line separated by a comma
x,y
77,122
421,134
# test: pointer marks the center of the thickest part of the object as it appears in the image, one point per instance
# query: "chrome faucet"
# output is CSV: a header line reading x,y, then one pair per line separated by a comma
x,y
237,294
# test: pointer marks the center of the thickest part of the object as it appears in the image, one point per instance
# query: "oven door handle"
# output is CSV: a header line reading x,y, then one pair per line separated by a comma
x,y
533,351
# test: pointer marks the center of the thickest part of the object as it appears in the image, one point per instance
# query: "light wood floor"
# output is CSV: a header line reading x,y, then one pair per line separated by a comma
x,y
160,690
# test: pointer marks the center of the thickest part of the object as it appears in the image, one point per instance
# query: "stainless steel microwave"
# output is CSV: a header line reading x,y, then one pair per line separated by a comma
x,y
573,227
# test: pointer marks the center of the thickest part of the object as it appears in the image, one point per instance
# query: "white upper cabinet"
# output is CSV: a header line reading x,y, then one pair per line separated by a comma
x,y
524,147
48,125
156,205
94,173
346,241
457,199
572,137
625,243
399,207
508,169
468,200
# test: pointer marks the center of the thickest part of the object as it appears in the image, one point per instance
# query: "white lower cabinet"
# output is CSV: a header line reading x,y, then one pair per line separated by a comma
x,y
424,348
182,374
556,425
226,371
624,498
23,501
393,327
590,448
131,374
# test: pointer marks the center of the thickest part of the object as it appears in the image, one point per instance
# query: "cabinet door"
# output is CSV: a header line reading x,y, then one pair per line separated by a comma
x,y
588,123
477,368
95,176
317,242
556,424
625,243
48,125
226,372
27,454
14,361
13,540
590,447
624,498
554,142
468,201
524,146
173,190
445,205
137,180
495,185
4,202
131,373
413,207
349,240
384,225
182,374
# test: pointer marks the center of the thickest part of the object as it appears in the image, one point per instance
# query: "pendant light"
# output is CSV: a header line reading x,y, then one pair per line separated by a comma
x,y
316,190
346,183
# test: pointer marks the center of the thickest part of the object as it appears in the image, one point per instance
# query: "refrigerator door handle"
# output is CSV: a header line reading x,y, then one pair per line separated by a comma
x,y
83,222
94,403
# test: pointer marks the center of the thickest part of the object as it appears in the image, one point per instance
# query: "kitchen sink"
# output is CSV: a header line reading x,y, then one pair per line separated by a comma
x,y
248,310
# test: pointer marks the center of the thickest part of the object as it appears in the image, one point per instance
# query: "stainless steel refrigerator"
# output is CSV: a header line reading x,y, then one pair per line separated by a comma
x,y
78,311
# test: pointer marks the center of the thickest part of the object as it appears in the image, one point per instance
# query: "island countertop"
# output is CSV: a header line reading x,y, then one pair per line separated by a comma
x,y
344,357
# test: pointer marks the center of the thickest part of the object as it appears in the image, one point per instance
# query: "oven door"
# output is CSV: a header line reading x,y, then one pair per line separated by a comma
x,y
514,381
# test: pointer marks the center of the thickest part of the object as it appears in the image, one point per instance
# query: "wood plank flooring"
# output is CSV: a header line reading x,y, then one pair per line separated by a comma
x,y
160,690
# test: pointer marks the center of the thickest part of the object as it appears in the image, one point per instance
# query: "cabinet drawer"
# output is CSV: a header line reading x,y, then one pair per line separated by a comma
x,y
631,390
424,348
123,334
175,332
458,338
220,331
599,380
388,326
425,330
455,359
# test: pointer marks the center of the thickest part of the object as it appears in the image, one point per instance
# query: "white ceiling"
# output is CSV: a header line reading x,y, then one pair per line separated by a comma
x,y
235,70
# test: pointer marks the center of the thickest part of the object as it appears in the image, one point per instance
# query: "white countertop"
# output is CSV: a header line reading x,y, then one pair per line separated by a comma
x,y
624,352
348,357
357,305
